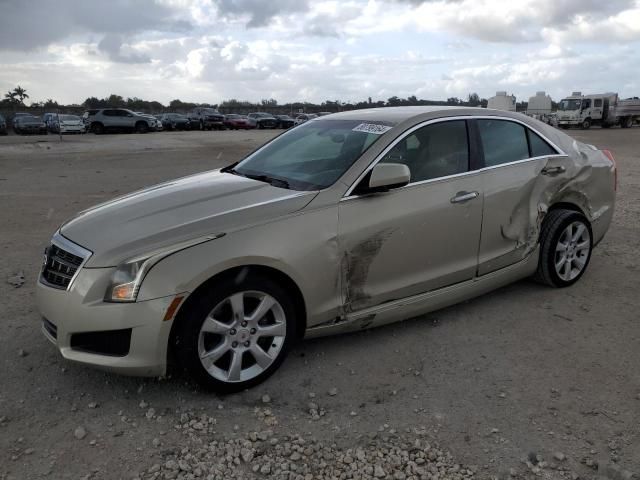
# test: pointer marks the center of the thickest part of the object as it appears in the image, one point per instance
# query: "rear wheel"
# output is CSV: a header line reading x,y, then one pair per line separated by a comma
x,y
565,248
627,122
236,334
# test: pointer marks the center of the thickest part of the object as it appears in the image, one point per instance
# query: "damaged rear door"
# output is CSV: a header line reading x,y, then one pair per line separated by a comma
x,y
419,237
519,167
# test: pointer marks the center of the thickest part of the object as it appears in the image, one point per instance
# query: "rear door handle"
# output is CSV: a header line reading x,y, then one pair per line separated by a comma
x,y
462,197
553,170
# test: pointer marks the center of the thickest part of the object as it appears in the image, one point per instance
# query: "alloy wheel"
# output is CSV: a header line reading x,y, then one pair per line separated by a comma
x,y
572,251
242,336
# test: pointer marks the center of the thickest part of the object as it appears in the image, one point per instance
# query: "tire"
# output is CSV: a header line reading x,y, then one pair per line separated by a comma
x,y
555,247
627,122
190,341
586,124
142,127
97,128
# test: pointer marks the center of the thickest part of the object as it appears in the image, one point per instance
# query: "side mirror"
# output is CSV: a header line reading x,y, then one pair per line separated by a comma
x,y
386,176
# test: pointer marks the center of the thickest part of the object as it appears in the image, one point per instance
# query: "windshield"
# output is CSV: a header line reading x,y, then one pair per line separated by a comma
x,y
569,104
313,155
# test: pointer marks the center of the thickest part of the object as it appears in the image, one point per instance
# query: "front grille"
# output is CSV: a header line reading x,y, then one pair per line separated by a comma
x,y
59,267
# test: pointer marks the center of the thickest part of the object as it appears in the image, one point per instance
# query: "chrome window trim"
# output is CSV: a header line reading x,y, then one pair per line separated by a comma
x,y
559,152
65,244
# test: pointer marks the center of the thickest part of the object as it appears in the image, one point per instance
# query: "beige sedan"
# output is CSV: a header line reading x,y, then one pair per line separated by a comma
x,y
348,221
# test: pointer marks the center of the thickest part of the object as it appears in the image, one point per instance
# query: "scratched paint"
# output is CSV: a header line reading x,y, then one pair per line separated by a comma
x,y
355,267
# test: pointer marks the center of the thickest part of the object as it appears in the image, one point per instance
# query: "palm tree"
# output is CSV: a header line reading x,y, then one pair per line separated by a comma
x,y
21,93
10,97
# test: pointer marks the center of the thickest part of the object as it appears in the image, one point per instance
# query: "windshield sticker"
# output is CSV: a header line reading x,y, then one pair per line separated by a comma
x,y
372,128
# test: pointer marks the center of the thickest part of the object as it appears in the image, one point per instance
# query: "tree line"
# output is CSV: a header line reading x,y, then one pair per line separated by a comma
x,y
15,99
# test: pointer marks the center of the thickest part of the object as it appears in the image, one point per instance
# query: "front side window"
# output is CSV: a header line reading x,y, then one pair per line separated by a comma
x,y
434,151
502,142
313,155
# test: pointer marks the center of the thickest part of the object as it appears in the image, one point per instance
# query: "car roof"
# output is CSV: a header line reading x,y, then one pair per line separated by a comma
x,y
400,114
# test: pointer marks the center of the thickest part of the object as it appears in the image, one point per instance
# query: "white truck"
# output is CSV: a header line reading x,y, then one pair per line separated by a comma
x,y
604,109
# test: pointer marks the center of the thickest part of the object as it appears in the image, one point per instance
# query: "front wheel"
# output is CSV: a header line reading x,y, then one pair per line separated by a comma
x,y
586,124
565,248
235,334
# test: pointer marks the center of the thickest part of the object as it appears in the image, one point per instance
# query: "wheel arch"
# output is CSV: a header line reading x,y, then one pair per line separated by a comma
x,y
565,205
232,274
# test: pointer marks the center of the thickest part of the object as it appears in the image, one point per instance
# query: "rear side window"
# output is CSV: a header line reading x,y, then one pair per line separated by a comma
x,y
433,151
597,102
503,142
539,148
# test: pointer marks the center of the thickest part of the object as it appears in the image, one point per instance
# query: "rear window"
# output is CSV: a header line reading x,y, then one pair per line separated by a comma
x,y
503,142
539,148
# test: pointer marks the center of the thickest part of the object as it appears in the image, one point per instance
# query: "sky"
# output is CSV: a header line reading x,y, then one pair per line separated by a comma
x,y
317,50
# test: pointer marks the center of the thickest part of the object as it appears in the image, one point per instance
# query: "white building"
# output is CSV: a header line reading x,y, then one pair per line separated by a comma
x,y
539,105
502,101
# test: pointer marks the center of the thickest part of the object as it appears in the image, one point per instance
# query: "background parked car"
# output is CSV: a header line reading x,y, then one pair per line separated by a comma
x,y
236,122
206,118
26,123
3,126
305,117
64,123
264,120
119,120
175,121
155,124
285,121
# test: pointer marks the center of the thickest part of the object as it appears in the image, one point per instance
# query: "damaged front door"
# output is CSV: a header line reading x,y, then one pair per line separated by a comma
x,y
419,237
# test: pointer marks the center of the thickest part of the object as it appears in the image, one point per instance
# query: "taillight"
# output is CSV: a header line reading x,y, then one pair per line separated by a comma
x,y
609,155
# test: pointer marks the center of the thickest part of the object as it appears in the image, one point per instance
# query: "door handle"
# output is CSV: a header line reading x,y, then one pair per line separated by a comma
x,y
553,170
462,197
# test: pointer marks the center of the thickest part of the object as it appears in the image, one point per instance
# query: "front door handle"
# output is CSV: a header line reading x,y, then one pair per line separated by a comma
x,y
553,170
462,197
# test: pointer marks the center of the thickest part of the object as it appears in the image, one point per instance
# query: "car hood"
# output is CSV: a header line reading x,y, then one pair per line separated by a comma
x,y
182,210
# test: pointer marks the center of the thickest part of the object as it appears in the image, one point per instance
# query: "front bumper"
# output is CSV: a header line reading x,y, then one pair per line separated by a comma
x,y
81,309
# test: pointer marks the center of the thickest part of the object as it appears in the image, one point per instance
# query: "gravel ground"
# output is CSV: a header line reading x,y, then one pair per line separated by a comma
x,y
526,382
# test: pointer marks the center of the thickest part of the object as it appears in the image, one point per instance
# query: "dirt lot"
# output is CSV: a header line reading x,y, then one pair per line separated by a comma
x,y
525,374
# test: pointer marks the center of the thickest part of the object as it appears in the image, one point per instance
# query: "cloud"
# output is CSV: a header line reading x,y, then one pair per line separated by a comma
x,y
259,13
112,45
38,23
210,50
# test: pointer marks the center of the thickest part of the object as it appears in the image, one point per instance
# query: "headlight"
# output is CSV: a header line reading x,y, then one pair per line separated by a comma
x,y
126,280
